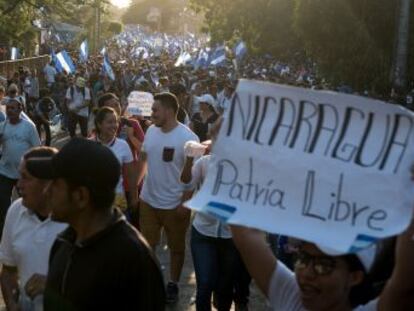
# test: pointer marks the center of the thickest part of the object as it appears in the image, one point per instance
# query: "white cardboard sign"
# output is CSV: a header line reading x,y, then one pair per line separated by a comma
x,y
140,103
329,168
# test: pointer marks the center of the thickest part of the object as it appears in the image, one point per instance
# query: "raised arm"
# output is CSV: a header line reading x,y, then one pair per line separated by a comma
x,y
398,293
256,254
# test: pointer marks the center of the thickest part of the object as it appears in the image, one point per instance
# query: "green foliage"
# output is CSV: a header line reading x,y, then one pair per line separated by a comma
x,y
115,27
266,25
352,41
16,17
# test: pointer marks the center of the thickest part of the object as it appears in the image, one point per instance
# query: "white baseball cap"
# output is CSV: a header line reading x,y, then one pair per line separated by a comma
x,y
208,99
366,256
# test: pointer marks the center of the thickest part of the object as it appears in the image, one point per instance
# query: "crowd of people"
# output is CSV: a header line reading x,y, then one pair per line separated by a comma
x,y
80,226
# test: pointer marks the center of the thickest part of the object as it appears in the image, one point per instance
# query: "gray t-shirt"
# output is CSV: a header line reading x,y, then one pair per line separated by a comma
x,y
16,140
284,292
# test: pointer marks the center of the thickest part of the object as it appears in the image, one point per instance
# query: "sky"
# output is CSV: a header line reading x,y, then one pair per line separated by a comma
x,y
121,3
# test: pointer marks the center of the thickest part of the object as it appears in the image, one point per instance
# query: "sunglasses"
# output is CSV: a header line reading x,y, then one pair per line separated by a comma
x,y
321,265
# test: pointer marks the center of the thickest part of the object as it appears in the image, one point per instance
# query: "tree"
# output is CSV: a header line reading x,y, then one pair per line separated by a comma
x,y
351,40
115,27
17,16
265,25
401,51
139,10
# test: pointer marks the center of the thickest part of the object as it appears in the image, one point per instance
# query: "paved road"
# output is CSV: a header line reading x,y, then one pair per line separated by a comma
x,y
187,284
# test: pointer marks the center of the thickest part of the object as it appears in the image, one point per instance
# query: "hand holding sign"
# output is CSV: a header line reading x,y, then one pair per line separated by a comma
x,y
305,164
140,104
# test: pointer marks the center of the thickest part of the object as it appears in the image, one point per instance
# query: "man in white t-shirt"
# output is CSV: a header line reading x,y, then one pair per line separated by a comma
x,y
27,239
78,98
162,159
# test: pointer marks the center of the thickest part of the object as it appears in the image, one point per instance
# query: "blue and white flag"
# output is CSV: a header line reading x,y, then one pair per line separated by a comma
x,y
108,69
219,56
14,53
202,59
64,61
58,66
103,51
240,50
84,51
57,37
183,59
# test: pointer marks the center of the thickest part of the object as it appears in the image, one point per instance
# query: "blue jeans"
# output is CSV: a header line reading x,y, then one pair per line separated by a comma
x,y
214,264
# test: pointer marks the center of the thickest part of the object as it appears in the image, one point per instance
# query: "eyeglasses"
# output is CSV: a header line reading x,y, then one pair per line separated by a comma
x,y
321,265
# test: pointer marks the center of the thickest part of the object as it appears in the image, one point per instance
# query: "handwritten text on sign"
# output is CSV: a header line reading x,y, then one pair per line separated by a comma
x,y
140,103
329,168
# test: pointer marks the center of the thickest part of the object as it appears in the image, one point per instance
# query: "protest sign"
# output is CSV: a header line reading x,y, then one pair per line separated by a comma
x,y
140,103
329,168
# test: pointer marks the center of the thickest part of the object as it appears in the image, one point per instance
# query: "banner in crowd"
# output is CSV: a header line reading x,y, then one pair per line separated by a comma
x,y
140,104
328,168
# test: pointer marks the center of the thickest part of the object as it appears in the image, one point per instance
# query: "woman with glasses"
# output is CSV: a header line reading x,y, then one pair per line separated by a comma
x,y
321,282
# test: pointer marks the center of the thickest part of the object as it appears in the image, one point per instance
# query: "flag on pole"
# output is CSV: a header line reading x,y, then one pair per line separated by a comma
x,y
58,66
202,59
240,50
103,51
107,69
84,51
219,56
64,61
183,59
57,37
14,54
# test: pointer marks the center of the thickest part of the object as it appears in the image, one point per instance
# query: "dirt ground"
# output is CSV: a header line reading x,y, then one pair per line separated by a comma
x,y
188,285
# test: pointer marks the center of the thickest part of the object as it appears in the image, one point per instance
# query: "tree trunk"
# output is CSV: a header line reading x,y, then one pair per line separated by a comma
x,y
401,52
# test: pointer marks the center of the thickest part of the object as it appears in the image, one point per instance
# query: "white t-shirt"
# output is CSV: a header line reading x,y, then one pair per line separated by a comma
x,y
26,244
206,224
77,100
123,153
284,292
162,187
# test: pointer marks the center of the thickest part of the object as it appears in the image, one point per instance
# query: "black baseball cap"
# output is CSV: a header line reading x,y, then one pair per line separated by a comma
x,y
81,162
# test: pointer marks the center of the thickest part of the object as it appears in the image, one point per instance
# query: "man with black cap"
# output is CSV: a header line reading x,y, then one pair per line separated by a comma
x,y
100,262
